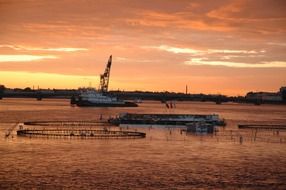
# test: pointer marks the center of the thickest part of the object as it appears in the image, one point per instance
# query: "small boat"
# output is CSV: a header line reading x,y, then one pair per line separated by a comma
x,y
91,97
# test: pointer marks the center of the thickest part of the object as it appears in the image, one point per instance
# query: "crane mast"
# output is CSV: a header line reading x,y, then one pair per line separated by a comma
x,y
104,78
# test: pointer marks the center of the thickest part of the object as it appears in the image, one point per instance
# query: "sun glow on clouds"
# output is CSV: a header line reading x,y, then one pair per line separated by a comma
x,y
61,49
178,50
223,54
25,58
233,51
200,61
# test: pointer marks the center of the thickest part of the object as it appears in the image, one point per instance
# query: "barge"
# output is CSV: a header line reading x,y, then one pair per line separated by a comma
x,y
166,119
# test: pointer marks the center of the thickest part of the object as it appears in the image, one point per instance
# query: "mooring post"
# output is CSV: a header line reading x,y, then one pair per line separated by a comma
x,y
255,134
240,139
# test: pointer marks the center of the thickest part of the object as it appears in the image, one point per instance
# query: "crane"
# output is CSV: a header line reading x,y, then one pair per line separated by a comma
x,y
104,78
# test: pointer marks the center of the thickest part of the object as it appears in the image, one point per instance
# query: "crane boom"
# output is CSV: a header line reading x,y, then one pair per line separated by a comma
x,y
104,78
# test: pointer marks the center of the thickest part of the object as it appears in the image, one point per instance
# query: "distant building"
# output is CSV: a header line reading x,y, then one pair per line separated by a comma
x,y
282,89
283,92
264,96
2,88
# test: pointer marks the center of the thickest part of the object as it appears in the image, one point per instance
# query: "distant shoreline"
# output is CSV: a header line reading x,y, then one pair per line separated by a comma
x,y
138,95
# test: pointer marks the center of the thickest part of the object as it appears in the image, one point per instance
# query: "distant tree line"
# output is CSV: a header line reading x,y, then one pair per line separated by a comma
x,y
2,88
283,93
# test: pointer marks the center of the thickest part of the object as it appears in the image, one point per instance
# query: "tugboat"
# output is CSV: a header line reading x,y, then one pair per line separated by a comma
x,y
91,97
100,98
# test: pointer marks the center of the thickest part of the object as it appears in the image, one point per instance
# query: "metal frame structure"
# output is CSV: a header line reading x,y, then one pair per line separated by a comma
x,y
104,78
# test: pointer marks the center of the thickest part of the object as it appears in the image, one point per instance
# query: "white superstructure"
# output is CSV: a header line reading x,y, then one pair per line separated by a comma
x,y
91,95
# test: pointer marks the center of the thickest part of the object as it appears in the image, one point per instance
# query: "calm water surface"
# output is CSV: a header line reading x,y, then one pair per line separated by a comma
x,y
165,159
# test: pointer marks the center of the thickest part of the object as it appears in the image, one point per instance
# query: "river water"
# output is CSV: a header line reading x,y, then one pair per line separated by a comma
x,y
166,159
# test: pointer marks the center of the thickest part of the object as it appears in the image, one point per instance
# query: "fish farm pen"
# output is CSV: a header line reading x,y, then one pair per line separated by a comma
x,y
67,123
267,133
263,126
86,133
239,136
267,136
73,129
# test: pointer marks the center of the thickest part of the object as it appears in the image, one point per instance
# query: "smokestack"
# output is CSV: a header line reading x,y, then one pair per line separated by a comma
x,y
186,89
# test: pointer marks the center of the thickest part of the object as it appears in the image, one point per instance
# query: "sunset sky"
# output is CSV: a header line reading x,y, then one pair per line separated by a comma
x,y
213,46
